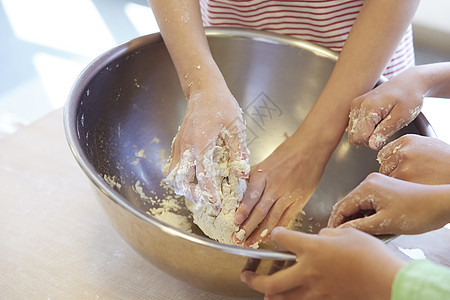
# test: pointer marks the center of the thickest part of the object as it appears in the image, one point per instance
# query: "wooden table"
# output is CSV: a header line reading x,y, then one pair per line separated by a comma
x,y
57,243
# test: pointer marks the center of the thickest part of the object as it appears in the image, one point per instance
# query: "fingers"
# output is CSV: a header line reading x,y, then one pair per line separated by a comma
x,y
294,294
389,157
392,123
293,241
330,232
265,215
362,122
384,130
206,189
272,284
354,205
182,176
280,214
175,153
285,280
252,195
257,215
375,117
366,207
375,224
239,153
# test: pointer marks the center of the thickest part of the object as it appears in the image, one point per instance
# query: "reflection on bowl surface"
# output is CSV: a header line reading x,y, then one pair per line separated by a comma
x,y
125,109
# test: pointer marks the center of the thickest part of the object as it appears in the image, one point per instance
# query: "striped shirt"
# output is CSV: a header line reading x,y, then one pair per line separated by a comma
x,y
324,22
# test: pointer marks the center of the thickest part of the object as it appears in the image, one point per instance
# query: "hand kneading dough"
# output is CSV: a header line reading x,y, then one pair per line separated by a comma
x,y
216,220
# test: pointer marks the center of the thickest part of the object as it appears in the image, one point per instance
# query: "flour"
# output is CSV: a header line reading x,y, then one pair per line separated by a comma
x,y
264,232
169,212
112,181
213,210
165,208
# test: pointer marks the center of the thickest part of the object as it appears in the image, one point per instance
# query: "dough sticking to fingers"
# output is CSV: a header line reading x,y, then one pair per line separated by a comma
x,y
218,189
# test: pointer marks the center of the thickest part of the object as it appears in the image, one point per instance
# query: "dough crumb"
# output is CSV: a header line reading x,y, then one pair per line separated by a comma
x,y
264,232
240,234
254,245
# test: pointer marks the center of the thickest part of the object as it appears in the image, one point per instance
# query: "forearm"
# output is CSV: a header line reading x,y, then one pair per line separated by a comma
x,y
373,39
436,78
181,26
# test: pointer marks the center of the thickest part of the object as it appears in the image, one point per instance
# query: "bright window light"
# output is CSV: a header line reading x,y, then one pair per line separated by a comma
x,y
72,26
142,18
57,76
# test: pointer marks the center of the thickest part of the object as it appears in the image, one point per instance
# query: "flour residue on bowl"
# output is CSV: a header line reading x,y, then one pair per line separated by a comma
x,y
165,207
140,153
113,181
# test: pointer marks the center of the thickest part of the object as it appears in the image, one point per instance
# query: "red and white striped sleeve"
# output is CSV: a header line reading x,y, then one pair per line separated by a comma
x,y
324,22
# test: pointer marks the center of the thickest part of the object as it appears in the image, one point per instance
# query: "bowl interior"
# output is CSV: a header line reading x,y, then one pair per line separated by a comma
x,y
130,104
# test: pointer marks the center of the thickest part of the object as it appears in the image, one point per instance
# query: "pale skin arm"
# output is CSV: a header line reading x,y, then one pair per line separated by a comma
x,y
393,206
326,267
290,175
378,114
210,105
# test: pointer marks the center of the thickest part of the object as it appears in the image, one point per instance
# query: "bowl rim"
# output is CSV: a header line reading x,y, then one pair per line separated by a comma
x,y
132,46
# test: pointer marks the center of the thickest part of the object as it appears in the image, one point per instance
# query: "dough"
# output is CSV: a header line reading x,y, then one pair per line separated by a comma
x,y
216,220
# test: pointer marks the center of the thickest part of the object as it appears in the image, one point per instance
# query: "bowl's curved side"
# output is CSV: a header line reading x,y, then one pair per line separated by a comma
x,y
199,265
131,95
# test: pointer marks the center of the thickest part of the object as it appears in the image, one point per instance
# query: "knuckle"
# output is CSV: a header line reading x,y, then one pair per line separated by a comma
x,y
261,209
372,176
372,179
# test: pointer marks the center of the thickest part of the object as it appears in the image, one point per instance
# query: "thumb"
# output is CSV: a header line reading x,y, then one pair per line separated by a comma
x,y
374,224
291,240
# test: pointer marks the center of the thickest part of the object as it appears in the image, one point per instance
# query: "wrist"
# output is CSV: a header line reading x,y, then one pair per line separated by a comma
x,y
318,137
394,268
200,75
423,79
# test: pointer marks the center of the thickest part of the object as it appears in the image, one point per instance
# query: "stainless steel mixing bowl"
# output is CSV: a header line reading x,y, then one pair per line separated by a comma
x,y
126,106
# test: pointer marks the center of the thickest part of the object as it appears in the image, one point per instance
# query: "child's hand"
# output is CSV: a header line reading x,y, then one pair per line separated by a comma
x,y
278,189
417,159
378,114
209,111
385,205
336,263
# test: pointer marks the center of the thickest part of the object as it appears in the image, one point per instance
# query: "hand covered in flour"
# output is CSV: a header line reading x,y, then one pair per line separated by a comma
x,y
212,117
385,205
417,159
326,267
378,114
278,189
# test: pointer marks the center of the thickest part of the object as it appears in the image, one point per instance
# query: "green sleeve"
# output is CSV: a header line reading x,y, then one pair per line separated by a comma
x,y
422,279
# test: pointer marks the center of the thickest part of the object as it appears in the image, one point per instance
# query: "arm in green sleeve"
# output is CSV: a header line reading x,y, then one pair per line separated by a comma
x,y
422,280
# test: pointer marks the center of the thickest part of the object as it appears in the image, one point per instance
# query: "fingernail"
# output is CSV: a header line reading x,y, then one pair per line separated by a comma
x,y
239,218
276,230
